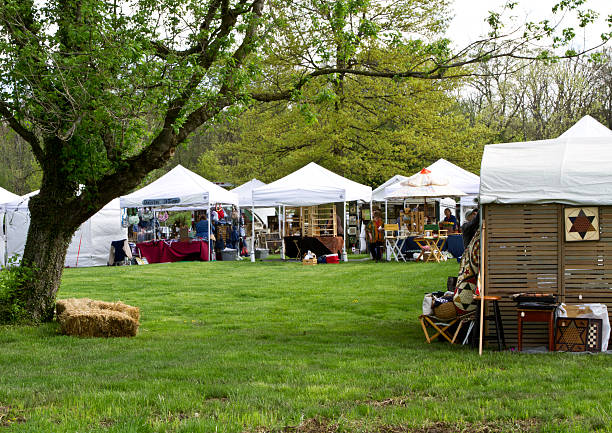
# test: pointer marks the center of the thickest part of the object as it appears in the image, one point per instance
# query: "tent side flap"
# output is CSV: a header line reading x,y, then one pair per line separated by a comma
x,y
297,196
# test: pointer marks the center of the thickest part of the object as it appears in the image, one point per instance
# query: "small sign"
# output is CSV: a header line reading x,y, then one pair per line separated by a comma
x,y
161,201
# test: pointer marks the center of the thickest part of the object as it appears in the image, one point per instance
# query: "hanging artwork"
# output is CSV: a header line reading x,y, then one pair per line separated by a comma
x,y
581,224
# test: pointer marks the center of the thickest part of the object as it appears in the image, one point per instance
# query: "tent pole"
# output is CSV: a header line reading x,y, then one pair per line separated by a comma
x,y
4,232
155,228
253,234
386,221
280,230
481,282
344,256
283,233
209,235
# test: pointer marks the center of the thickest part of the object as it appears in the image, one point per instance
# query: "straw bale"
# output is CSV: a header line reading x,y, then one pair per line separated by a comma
x,y
88,318
133,312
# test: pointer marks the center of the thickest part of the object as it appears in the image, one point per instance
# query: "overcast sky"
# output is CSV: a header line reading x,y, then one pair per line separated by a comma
x,y
469,23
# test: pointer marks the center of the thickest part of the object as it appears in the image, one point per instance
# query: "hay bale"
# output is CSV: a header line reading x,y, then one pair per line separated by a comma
x,y
88,318
133,312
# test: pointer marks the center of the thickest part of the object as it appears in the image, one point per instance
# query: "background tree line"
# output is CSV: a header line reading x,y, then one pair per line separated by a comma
x,y
376,129
104,95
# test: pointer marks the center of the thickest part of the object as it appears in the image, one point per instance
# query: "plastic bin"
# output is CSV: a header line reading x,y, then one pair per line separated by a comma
x,y
229,254
261,253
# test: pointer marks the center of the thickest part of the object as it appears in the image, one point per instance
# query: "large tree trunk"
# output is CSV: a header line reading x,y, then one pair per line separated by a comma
x,y
48,238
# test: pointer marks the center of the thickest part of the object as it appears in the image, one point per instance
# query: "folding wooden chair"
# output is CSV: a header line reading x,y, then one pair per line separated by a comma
x,y
444,327
394,243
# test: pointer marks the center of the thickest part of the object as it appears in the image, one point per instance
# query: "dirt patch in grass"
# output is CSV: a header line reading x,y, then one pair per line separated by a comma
x,y
107,422
404,400
322,425
484,427
10,416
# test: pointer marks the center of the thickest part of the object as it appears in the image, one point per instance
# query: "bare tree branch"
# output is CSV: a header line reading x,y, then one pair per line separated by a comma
x,y
23,132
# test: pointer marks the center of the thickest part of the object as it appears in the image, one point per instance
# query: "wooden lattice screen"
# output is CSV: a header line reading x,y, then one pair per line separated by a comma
x,y
587,266
525,250
319,220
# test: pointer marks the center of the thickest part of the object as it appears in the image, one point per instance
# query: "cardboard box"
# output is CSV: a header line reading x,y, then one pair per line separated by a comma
x,y
575,310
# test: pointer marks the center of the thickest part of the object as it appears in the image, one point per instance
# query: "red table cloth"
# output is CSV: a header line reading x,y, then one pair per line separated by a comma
x,y
165,251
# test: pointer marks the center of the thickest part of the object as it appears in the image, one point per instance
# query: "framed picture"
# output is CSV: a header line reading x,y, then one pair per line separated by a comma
x,y
353,209
581,223
365,214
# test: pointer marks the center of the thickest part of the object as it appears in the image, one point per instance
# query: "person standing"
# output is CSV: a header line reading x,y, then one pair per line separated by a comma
x,y
202,228
375,235
450,218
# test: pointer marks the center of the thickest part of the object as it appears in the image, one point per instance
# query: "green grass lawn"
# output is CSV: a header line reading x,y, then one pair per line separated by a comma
x,y
235,347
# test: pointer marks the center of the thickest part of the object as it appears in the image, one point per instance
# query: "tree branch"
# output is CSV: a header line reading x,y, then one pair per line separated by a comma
x,y
22,131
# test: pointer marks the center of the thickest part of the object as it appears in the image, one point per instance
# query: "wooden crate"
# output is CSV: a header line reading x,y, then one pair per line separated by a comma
x,y
413,221
309,261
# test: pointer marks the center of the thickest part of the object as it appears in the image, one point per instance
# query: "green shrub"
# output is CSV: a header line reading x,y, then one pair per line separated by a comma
x,y
12,282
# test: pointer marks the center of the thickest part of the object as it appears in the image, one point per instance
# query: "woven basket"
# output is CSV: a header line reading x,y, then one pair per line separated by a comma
x,y
446,311
312,261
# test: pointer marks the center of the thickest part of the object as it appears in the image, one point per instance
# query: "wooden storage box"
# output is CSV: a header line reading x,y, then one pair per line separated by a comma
x,y
578,334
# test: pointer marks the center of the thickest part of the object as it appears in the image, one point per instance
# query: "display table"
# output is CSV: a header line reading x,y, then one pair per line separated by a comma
x,y
536,315
297,246
173,251
454,245
431,247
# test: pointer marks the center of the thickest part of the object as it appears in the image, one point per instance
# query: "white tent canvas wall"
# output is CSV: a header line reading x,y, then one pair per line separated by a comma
x,y
90,244
5,197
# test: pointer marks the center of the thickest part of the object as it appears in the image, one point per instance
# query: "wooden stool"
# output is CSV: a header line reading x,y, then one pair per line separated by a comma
x,y
535,315
495,317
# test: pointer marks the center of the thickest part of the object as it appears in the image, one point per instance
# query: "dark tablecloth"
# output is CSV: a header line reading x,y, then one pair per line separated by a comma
x,y
164,251
454,245
319,245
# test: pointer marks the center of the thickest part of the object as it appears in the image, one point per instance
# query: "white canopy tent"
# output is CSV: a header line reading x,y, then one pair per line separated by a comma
x,y
571,169
5,197
459,178
309,186
379,193
90,244
245,198
180,189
